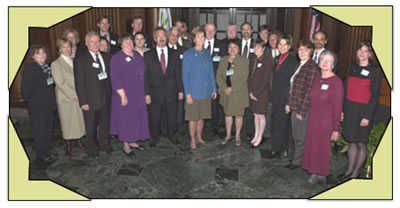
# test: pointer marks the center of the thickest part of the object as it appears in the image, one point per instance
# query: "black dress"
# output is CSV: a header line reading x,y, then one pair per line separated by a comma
x,y
361,96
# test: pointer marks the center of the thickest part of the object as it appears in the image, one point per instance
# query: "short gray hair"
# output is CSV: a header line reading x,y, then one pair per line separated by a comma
x,y
91,33
173,28
331,53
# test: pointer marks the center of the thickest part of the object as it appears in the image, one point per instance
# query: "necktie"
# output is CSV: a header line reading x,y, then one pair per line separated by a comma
x,y
209,47
98,61
162,61
245,50
315,59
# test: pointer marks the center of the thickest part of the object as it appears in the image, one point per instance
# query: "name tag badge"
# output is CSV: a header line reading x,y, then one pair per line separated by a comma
x,y
113,42
128,59
364,72
259,65
230,72
251,50
145,45
102,75
95,65
324,87
216,49
50,81
181,56
216,58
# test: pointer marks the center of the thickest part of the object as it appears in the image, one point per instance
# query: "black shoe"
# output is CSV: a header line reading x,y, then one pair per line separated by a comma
x,y
139,147
153,145
130,154
252,146
43,162
275,155
343,177
215,132
291,166
176,142
93,156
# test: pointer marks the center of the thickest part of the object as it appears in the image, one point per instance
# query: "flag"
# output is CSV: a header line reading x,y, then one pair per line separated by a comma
x,y
164,19
314,23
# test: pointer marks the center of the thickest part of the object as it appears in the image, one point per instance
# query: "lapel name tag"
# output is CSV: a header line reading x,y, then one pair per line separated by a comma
x,y
324,87
364,72
50,81
216,58
95,65
230,72
259,65
181,56
102,75
128,59
251,50
216,49
113,42
145,45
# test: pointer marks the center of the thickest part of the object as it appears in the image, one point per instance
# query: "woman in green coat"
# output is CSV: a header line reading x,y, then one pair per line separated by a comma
x,y
232,74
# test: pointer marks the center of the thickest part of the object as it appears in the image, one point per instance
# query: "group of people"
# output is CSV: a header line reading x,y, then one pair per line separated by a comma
x,y
137,86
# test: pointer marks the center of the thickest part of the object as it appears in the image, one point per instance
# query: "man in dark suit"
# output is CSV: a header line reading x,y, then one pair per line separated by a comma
x,y
173,35
246,49
319,39
93,86
231,33
217,50
103,24
137,26
184,38
163,86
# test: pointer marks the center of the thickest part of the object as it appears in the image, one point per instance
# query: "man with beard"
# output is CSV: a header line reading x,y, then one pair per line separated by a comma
x,y
320,39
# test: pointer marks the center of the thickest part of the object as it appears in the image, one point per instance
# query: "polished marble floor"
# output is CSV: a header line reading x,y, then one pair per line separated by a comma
x,y
169,171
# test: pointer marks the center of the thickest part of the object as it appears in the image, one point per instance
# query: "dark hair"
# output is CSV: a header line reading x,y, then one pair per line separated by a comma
x,y
234,41
244,23
263,27
277,33
103,38
320,31
138,33
158,29
367,44
308,44
135,18
33,49
331,53
259,42
123,37
99,19
288,38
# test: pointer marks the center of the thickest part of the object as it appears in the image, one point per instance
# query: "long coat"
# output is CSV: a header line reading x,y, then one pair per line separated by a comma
x,y
71,116
238,100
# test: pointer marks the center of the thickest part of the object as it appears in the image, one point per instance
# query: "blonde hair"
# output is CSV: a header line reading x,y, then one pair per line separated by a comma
x,y
69,30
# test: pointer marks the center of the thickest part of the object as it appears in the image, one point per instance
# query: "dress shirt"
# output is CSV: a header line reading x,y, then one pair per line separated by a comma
x,y
211,45
297,71
317,54
248,41
106,35
173,46
68,59
165,54
100,57
180,41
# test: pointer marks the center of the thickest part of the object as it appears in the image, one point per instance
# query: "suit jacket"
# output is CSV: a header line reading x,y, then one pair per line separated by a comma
x,y
281,79
251,52
35,91
91,90
113,44
162,88
220,51
187,43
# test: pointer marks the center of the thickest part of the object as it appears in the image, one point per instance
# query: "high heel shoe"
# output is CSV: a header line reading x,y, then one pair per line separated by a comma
x,y
202,142
237,142
131,154
79,144
226,140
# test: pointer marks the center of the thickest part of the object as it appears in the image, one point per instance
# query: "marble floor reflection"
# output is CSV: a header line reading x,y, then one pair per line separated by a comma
x,y
169,171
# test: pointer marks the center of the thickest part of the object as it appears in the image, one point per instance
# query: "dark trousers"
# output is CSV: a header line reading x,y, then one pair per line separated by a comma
x,y
249,119
268,120
180,119
217,115
42,124
280,129
97,125
299,131
156,112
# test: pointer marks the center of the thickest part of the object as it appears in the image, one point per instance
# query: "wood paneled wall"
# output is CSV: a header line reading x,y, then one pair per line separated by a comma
x,y
343,39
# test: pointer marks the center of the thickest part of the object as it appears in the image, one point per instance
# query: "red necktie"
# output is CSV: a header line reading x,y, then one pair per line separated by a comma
x,y
245,50
209,47
162,61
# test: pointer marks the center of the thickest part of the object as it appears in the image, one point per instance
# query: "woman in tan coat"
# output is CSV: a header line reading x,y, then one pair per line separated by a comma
x,y
232,74
71,116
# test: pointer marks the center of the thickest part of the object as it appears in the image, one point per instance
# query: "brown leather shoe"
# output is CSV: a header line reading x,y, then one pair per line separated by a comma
x,y
79,144
68,148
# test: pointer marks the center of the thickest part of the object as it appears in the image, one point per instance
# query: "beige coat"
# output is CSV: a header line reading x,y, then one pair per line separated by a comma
x,y
71,116
238,100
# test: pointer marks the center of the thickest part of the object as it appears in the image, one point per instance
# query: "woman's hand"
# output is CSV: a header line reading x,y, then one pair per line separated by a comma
x,y
253,97
124,101
335,136
298,116
341,117
228,91
214,95
287,109
364,122
189,99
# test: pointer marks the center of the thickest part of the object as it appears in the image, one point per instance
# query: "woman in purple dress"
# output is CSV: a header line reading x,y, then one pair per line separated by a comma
x,y
128,111
326,99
